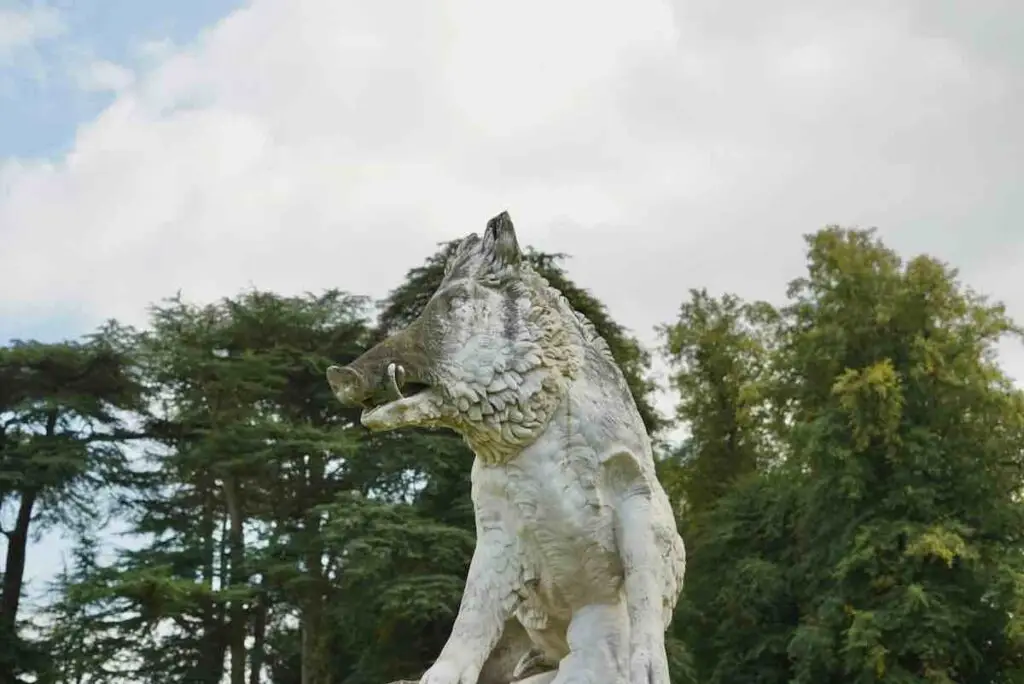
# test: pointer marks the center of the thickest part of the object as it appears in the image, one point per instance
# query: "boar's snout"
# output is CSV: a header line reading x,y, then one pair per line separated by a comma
x,y
349,386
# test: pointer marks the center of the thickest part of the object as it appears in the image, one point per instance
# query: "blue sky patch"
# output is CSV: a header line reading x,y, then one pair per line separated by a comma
x,y
41,104
49,326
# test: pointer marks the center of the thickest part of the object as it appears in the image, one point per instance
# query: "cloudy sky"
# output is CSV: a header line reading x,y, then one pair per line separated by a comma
x,y
210,145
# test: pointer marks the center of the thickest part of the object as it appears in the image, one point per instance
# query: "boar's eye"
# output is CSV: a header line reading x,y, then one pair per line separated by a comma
x,y
458,300
457,296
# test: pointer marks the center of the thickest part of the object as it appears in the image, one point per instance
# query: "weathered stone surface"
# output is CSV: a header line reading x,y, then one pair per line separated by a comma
x,y
578,563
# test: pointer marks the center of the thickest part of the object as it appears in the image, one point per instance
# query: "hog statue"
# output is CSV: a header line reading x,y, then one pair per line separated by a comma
x,y
578,563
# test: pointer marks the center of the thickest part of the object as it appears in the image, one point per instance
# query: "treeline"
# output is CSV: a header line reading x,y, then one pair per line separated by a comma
x,y
848,488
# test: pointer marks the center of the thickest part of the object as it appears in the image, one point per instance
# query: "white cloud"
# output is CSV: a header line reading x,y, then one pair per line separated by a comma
x,y
101,75
303,144
22,28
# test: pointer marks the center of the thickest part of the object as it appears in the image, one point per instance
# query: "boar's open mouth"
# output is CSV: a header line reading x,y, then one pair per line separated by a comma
x,y
397,386
400,400
390,397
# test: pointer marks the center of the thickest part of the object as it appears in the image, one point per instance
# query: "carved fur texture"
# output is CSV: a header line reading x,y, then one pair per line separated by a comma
x,y
578,563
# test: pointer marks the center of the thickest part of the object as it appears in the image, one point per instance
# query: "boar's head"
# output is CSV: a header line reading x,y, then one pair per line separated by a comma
x,y
489,356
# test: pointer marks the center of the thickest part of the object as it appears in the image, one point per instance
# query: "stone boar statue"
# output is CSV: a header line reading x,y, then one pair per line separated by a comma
x,y
578,563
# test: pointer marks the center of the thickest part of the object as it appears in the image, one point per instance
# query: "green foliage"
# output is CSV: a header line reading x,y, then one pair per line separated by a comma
x,y
879,540
720,350
62,439
741,605
911,522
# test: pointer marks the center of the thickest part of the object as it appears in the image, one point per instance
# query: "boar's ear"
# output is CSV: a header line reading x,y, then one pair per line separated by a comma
x,y
500,240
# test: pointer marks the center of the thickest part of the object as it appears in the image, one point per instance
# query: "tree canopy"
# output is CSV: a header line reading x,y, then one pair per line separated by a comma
x,y
873,528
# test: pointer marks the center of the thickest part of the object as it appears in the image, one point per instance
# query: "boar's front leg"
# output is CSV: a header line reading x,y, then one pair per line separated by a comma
x,y
492,589
643,567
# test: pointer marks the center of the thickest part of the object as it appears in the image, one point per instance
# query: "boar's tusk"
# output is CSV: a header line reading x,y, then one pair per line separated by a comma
x,y
393,381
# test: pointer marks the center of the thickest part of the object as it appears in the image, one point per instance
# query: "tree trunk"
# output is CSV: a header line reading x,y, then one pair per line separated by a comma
x,y
213,644
315,654
237,620
14,574
259,633
14,567
315,669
